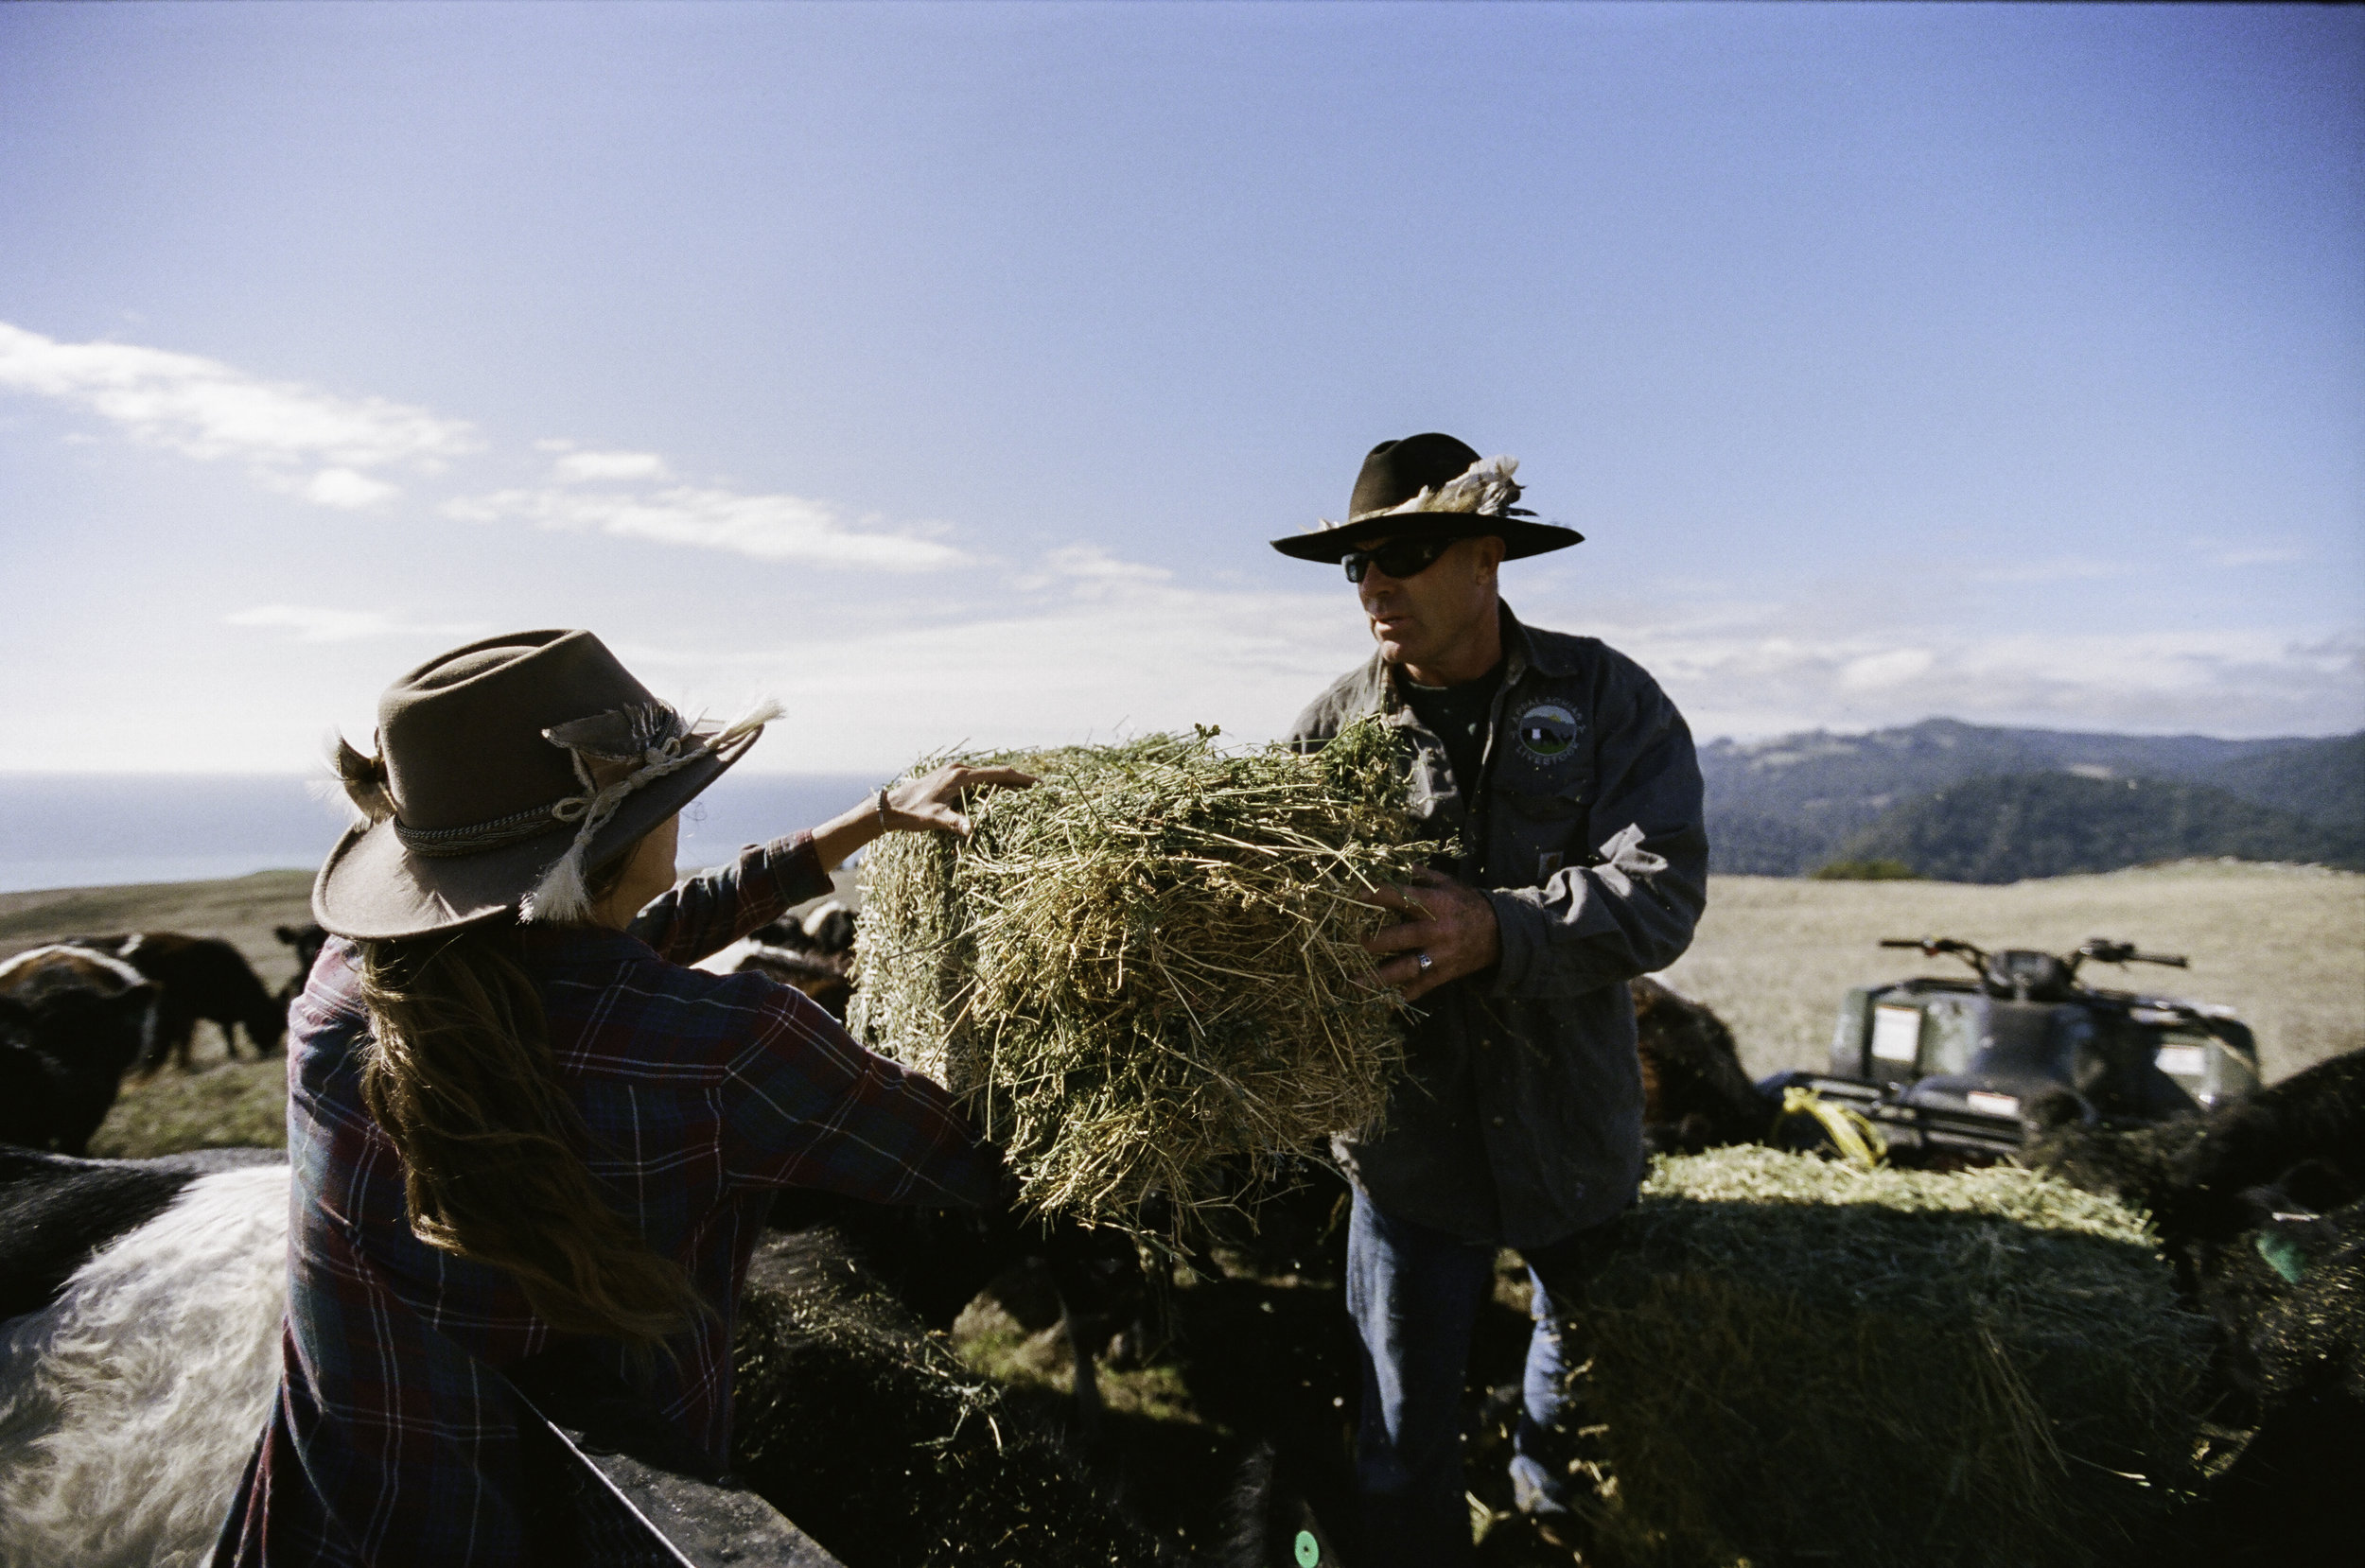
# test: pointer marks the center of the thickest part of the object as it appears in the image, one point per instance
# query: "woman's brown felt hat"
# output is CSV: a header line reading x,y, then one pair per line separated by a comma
x,y
1431,486
482,787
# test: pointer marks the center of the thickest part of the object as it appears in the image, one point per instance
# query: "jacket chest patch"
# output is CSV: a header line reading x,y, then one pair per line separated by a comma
x,y
1546,733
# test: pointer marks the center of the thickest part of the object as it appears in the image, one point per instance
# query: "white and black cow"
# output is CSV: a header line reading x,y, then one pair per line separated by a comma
x,y
72,1023
140,1311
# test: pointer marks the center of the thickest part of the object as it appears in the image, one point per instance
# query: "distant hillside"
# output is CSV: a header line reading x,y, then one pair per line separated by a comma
x,y
1783,807
2053,824
2320,779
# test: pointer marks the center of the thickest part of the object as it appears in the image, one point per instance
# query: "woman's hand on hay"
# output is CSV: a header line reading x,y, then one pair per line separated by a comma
x,y
1453,924
929,803
932,802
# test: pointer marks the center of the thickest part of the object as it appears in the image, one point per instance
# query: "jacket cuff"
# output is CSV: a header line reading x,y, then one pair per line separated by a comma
x,y
1520,924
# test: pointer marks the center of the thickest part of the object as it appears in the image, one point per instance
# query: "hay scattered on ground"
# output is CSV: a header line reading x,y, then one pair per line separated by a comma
x,y
1795,1357
1142,975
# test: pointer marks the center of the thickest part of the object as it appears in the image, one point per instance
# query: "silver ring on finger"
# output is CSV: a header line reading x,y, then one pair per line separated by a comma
x,y
1427,962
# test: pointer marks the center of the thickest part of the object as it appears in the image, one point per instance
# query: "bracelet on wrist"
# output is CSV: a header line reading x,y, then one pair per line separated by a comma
x,y
882,809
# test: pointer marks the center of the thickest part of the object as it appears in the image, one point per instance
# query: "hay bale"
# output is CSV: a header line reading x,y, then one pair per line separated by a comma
x,y
1142,975
1796,1358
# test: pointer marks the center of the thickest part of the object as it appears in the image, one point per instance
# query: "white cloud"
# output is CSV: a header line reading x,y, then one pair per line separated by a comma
x,y
1086,570
329,450
2060,568
343,487
1759,671
315,623
1096,646
206,410
1883,671
769,528
1121,652
578,467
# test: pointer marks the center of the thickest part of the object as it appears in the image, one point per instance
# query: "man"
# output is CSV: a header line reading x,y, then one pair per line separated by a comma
x,y
1568,782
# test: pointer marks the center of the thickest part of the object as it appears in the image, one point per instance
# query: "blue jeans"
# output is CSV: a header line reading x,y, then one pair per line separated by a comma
x,y
1414,1293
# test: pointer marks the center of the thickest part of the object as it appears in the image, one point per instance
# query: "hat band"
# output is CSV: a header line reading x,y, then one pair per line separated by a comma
x,y
561,895
499,833
1485,489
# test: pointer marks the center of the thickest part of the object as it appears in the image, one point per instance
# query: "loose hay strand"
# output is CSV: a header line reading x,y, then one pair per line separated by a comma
x,y
1144,975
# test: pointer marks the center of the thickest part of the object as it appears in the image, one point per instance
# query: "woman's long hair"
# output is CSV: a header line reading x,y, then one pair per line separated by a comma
x,y
460,1076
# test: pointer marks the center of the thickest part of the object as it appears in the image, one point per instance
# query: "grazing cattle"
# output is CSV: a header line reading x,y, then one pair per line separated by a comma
x,y
307,940
921,1462
936,1261
816,955
2288,1297
1695,1094
30,1079
132,1386
2192,1174
830,930
2260,1206
201,977
1279,1510
917,1460
824,977
76,1021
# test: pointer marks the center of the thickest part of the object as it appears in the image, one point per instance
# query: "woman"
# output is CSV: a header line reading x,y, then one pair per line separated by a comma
x,y
515,1122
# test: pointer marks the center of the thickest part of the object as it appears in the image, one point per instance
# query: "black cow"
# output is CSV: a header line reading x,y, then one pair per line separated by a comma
x,y
307,940
2260,1206
2193,1174
917,1451
74,1023
1696,1096
201,977
30,1079
817,956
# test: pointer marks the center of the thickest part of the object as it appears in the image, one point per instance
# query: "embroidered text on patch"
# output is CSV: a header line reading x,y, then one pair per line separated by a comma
x,y
1547,732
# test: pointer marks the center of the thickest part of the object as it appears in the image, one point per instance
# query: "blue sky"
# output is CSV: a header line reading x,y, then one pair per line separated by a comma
x,y
943,370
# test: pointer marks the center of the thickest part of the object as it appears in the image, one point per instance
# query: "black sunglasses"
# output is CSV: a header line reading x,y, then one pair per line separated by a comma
x,y
1398,558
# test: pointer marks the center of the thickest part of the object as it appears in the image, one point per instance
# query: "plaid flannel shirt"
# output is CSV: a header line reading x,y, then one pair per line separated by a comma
x,y
703,1094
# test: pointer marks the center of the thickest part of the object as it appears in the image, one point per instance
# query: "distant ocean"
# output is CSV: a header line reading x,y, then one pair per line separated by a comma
x,y
99,829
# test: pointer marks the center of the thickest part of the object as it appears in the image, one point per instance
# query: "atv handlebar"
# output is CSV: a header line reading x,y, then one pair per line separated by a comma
x,y
1930,947
2103,950
2100,949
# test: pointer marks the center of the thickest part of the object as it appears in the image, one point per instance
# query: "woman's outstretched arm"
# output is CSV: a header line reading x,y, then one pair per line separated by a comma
x,y
709,912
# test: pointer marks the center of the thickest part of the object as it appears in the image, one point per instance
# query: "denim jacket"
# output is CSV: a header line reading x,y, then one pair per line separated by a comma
x,y
1520,1120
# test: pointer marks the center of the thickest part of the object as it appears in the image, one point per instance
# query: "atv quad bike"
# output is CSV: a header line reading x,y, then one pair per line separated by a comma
x,y
1966,1068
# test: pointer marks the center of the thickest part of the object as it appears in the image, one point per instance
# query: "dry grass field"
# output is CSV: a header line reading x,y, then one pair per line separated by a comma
x,y
2282,945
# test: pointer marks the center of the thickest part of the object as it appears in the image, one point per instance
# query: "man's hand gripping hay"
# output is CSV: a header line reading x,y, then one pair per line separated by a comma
x,y
1146,976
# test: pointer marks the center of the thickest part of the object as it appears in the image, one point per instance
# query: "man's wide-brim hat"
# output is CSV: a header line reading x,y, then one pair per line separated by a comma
x,y
1432,487
507,770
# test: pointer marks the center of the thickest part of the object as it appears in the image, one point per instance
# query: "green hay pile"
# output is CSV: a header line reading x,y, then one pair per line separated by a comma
x,y
1142,975
1800,1360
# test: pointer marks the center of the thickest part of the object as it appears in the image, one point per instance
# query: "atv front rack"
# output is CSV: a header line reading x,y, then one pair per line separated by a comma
x,y
1912,1129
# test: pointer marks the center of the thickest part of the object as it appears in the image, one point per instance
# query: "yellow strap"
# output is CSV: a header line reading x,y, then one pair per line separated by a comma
x,y
1858,1140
